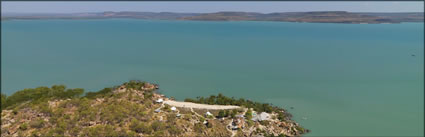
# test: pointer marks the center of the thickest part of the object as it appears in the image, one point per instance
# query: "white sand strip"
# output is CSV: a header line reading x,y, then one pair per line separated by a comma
x,y
198,106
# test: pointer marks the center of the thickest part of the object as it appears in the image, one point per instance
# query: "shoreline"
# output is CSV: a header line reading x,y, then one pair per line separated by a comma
x,y
321,22
199,106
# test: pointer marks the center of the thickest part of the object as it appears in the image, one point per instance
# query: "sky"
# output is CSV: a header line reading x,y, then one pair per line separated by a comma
x,y
206,7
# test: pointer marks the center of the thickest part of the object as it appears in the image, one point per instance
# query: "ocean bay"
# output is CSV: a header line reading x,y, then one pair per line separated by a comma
x,y
341,79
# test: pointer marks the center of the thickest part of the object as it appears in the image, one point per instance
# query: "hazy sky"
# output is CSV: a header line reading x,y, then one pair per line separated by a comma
x,y
202,7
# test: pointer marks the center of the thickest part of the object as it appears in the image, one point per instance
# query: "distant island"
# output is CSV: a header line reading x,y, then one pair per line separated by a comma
x,y
136,109
314,17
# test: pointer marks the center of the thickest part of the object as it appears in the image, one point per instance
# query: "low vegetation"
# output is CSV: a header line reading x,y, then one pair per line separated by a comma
x,y
223,100
58,111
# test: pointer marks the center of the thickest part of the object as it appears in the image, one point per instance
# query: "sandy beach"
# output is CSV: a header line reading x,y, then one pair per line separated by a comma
x,y
198,106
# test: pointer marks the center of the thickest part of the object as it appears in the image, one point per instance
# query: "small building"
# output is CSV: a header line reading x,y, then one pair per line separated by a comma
x,y
261,117
157,110
240,116
178,115
173,108
160,100
208,114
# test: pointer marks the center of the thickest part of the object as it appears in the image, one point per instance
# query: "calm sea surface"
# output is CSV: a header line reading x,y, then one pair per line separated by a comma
x,y
341,79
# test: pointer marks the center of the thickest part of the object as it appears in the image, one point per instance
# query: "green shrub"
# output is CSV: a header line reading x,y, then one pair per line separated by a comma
x,y
199,128
281,116
148,95
173,130
223,100
134,84
265,122
157,126
171,117
250,122
39,123
248,114
221,114
23,126
41,94
100,93
139,127
202,119
3,101
300,129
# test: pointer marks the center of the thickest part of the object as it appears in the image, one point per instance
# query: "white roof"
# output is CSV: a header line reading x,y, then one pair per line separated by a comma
x,y
261,117
240,115
157,110
173,108
208,113
159,100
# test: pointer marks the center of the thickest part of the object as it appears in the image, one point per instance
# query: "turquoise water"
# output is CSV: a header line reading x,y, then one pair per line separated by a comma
x,y
346,79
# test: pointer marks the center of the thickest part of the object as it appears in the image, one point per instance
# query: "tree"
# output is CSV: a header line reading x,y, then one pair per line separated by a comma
x,y
41,94
248,114
233,114
3,101
221,114
226,113
139,127
97,94
281,116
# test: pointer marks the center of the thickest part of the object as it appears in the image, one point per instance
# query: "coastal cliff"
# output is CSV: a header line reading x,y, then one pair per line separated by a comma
x,y
136,109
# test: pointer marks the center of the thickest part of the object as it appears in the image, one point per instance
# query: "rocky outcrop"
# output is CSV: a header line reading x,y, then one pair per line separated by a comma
x,y
129,111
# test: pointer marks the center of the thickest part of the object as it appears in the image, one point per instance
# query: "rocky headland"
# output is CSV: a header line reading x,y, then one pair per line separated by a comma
x,y
136,109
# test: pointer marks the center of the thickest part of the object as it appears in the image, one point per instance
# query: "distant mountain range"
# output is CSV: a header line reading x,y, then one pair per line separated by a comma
x,y
319,16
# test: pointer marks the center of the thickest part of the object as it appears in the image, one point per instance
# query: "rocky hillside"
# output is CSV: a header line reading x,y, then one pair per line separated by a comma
x,y
317,16
135,109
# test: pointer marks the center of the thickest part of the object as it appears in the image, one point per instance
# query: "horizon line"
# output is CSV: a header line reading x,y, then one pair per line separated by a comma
x,y
212,12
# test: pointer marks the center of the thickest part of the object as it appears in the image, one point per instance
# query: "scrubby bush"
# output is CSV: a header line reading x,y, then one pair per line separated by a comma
x,y
223,100
300,129
39,123
221,114
23,126
233,113
199,128
250,122
171,117
281,116
3,101
102,131
135,84
140,127
158,126
41,94
100,93
173,130
226,113
248,114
